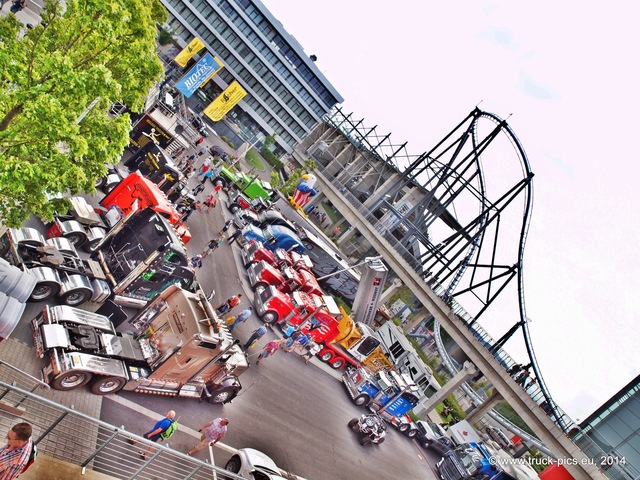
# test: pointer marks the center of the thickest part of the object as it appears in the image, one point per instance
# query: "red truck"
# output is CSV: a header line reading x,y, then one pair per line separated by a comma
x,y
254,252
287,280
342,340
86,226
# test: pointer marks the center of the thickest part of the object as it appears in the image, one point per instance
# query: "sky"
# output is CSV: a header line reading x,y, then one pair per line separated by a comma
x,y
566,77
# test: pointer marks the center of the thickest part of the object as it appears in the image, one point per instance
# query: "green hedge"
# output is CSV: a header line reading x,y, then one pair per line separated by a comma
x,y
271,159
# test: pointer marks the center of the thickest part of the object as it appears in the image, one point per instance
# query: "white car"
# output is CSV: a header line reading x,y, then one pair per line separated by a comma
x,y
248,461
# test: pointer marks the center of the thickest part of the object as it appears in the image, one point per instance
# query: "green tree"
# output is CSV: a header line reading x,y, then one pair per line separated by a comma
x,y
57,84
290,185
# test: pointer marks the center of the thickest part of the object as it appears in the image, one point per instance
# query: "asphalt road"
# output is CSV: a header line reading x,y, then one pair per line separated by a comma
x,y
295,413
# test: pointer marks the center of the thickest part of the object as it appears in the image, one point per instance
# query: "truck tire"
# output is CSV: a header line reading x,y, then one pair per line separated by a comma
x,y
223,396
270,317
325,356
426,444
44,291
219,181
362,399
260,286
76,296
380,441
352,423
107,385
233,464
338,363
411,433
234,208
76,237
365,441
71,380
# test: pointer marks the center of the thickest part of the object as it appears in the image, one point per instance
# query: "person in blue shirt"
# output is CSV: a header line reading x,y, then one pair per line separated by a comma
x,y
241,317
154,433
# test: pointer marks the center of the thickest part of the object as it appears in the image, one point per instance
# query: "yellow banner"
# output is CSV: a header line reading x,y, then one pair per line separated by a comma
x,y
225,102
189,51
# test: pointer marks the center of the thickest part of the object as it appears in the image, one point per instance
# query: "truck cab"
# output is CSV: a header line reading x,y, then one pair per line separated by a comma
x,y
254,252
469,461
175,347
386,392
274,237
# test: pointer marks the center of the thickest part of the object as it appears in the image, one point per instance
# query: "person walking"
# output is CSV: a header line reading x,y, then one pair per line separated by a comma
x,y
155,433
235,236
269,349
15,455
257,334
230,303
210,202
196,261
241,317
213,244
225,227
212,433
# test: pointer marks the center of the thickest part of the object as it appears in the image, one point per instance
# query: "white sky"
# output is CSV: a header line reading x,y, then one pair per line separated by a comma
x,y
568,74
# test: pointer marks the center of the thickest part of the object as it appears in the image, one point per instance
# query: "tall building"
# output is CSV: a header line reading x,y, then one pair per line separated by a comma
x,y
287,93
611,434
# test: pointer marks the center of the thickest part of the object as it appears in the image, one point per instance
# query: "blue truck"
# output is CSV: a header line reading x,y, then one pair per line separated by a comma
x,y
274,237
470,461
387,393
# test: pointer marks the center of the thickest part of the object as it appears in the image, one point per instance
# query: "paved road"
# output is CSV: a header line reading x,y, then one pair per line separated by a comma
x,y
295,413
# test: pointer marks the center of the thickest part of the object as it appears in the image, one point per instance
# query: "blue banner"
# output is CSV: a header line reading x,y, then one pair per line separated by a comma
x,y
199,73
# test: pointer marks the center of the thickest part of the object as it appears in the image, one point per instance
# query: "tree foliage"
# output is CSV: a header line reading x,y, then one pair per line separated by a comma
x,y
287,188
83,51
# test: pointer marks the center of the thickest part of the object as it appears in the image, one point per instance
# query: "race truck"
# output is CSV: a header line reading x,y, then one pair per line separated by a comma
x,y
238,203
86,226
287,280
175,347
342,341
387,393
254,252
139,257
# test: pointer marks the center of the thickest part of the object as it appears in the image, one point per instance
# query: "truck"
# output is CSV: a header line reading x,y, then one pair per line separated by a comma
x,y
463,432
342,341
274,237
255,251
139,257
385,392
470,461
287,280
249,185
237,203
175,347
86,226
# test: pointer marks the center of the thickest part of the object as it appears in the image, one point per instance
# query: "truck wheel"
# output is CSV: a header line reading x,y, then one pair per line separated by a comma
x,y
260,286
380,441
426,444
107,385
404,427
234,208
270,317
76,297
44,291
77,239
218,181
365,441
362,399
411,433
100,182
352,423
325,356
338,363
233,465
223,396
71,380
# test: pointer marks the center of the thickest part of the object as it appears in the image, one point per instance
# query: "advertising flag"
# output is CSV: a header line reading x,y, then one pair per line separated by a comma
x,y
199,74
225,102
189,51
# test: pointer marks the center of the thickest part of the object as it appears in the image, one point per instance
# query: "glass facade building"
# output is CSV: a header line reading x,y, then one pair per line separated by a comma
x,y
287,93
615,429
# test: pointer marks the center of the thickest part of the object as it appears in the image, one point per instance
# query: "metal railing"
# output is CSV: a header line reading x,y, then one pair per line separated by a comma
x,y
76,438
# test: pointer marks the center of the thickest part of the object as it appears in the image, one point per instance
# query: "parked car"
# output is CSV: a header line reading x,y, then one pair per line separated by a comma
x,y
251,463
217,151
499,437
431,435
197,122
